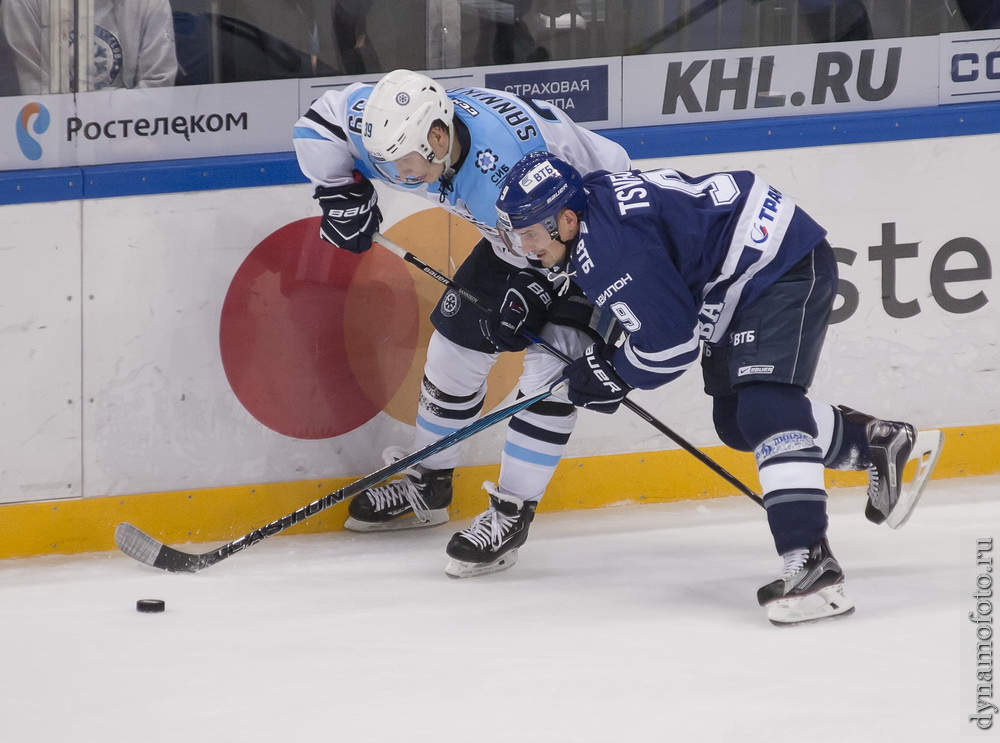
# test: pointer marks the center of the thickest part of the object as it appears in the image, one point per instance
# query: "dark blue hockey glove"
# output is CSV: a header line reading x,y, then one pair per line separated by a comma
x,y
524,308
593,382
350,214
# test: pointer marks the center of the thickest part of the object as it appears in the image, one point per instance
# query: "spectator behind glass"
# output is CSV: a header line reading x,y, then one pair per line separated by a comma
x,y
506,28
133,44
980,14
8,78
836,20
357,53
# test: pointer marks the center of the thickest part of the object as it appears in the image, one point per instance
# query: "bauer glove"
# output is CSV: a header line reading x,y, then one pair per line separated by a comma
x,y
524,307
593,382
350,214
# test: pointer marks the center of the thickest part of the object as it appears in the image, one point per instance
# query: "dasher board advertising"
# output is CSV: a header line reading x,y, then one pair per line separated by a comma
x,y
764,82
970,67
120,126
587,90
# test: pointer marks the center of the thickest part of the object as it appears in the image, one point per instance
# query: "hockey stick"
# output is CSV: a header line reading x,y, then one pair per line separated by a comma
x,y
638,410
144,548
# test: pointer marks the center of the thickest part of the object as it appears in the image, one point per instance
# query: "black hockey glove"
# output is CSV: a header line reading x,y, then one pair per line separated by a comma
x,y
524,307
593,382
350,214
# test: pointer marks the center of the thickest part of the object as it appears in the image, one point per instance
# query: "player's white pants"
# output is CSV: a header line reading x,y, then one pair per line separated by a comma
x,y
536,437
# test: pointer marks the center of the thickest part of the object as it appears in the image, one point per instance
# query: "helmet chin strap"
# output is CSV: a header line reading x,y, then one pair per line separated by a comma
x,y
558,274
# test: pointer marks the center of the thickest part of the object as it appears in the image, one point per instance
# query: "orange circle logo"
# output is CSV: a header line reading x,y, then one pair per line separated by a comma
x,y
315,341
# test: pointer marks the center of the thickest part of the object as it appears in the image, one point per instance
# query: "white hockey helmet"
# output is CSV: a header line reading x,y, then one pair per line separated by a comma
x,y
398,117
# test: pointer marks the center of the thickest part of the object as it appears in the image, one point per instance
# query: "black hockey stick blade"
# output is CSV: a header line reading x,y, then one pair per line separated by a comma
x,y
140,546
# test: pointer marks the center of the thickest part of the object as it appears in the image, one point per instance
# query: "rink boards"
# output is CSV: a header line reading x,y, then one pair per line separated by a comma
x,y
118,404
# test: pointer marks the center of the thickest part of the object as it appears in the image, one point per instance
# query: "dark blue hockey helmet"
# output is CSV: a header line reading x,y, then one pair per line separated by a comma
x,y
536,190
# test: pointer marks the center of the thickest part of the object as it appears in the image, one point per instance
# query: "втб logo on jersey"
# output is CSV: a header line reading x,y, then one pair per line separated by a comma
x,y
36,117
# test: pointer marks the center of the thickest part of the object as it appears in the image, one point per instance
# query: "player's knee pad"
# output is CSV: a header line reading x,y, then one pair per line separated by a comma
x,y
454,369
765,410
726,424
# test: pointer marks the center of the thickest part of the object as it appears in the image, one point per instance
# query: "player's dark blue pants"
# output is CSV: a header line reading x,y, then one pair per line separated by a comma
x,y
759,381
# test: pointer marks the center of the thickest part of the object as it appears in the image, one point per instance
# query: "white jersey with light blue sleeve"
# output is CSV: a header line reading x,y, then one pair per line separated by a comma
x,y
496,130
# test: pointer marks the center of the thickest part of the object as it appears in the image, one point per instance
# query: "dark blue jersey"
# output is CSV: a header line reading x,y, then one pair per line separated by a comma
x,y
673,257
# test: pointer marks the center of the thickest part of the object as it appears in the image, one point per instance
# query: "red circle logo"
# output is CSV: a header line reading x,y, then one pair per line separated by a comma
x,y
315,341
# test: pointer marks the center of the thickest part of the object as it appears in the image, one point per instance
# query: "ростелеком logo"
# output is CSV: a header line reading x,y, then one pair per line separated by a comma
x,y
35,116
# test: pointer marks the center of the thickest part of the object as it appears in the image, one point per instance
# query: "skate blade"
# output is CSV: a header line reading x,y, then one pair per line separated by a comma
x,y
458,569
826,603
435,518
926,450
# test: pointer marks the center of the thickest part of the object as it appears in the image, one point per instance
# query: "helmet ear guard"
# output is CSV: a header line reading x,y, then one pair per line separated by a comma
x,y
398,116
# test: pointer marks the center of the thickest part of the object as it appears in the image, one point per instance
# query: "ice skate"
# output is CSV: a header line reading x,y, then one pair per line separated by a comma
x,y
490,543
811,587
416,500
892,444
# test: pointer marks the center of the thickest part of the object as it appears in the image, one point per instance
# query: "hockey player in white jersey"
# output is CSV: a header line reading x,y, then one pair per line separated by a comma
x,y
725,267
453,148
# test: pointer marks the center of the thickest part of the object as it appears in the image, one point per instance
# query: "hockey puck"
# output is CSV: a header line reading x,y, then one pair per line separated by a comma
x,y
150,606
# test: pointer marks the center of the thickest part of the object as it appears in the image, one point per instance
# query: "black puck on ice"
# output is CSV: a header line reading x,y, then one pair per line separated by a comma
x,y
150,606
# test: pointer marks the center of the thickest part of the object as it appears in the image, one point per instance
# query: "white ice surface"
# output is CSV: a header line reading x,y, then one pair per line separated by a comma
x,y
636,623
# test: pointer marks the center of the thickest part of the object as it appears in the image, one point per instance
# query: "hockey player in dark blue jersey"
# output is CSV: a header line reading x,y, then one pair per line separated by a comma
x,y
726,268
452,148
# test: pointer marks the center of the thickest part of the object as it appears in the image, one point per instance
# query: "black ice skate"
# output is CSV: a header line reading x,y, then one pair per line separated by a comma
x,y
811,587
491,543
417,500
892,444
